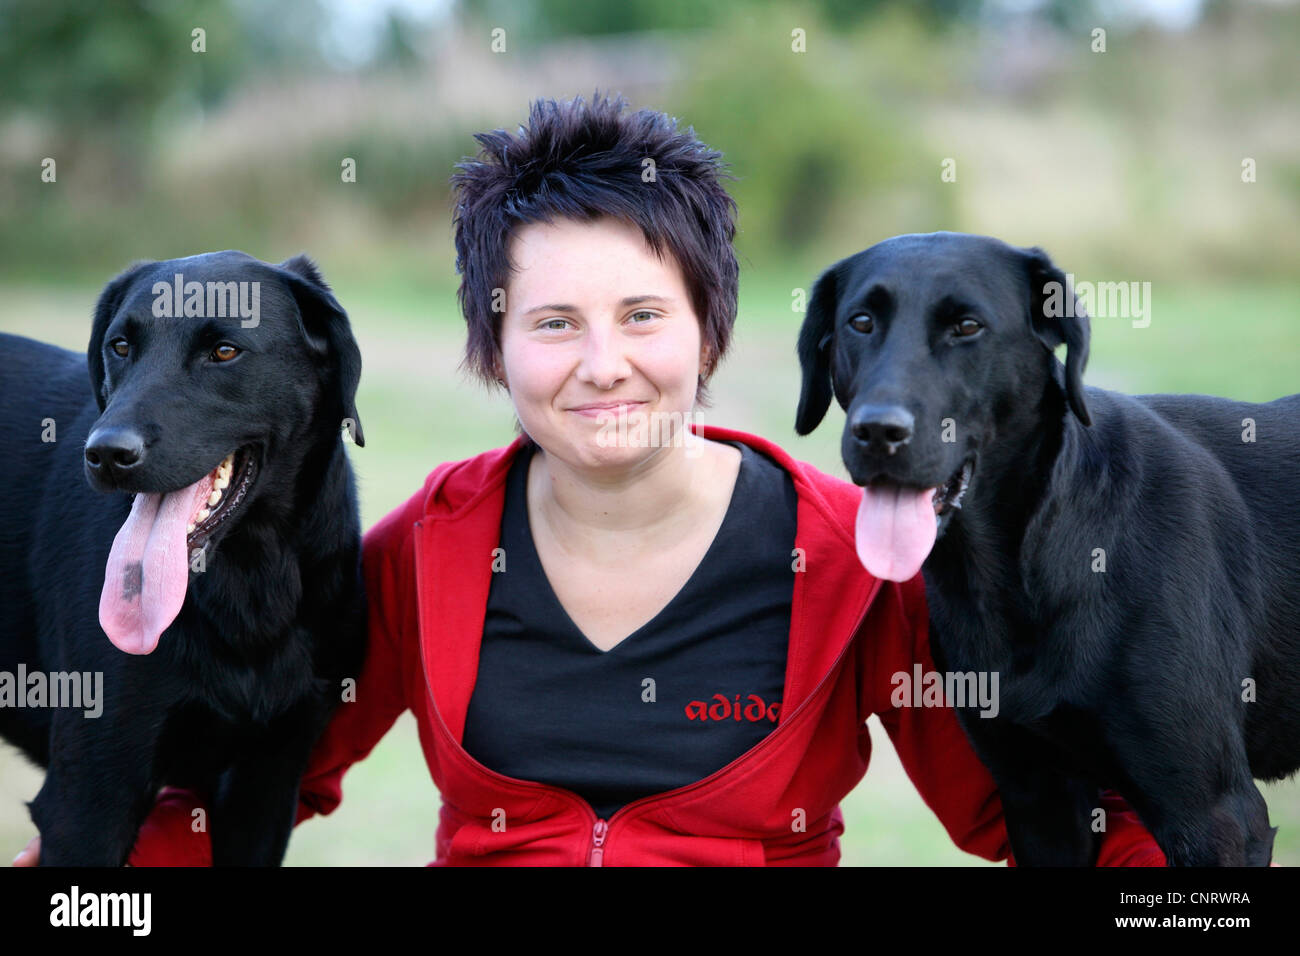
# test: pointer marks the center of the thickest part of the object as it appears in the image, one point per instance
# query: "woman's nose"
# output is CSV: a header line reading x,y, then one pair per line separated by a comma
x,y
604,363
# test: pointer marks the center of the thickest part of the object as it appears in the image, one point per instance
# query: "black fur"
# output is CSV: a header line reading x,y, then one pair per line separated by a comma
x,y
244,680
1131,678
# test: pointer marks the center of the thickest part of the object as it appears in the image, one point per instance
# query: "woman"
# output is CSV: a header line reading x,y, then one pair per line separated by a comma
x,y
626,639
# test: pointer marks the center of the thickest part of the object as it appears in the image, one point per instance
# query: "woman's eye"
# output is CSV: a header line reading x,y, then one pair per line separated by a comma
x,y
555,324
648,315
120,347
224,353
967,327
862,323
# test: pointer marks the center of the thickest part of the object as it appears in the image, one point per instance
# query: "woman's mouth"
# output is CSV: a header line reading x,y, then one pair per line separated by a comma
x,y
597,409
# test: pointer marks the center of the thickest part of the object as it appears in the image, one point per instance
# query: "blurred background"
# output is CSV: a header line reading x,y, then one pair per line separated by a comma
x,y
1164,149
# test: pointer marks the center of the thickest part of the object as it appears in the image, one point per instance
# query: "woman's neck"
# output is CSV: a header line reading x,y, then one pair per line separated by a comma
x,y
658,499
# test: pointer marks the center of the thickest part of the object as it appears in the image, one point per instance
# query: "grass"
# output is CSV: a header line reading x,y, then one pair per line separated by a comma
x,y
1232,339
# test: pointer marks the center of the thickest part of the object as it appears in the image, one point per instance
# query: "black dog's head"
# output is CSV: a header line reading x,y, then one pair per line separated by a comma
x,y
934,345
218,377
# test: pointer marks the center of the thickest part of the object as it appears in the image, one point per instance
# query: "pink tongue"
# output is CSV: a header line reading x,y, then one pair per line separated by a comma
x,y
896,529
148,568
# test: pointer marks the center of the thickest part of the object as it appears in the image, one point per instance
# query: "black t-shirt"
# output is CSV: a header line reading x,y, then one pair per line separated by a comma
x,y
679,698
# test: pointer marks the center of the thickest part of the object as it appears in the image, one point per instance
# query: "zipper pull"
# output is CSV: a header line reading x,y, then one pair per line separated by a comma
x,y
597,843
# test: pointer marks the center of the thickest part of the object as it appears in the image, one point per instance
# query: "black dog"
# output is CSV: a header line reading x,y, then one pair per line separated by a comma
x,y
190,492
1128,566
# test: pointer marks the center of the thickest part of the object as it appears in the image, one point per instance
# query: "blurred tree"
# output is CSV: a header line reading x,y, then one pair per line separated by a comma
x,y
398,43
547,19
110,62
103,77
824,156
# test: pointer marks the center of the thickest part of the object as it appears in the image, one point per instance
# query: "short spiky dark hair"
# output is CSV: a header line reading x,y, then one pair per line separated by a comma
x,y
583,162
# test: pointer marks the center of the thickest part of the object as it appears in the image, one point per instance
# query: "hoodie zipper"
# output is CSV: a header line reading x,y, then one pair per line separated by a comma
x,y
598,832
600,827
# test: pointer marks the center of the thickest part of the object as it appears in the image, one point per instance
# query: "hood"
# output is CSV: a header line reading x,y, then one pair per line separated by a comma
x,y
461,522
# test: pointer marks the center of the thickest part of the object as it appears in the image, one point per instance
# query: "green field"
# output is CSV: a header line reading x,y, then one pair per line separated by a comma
x,y
1238,340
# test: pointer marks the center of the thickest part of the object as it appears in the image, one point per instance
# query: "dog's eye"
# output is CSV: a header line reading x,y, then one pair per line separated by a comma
x,y
967,327
120,347
224,353
862,323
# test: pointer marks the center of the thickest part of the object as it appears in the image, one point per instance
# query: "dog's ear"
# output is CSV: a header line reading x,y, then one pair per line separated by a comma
x,y
110,301
816,340
328,334
1056,317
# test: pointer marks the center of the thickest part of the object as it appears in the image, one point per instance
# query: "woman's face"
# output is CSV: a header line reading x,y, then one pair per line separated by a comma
x,y
597,326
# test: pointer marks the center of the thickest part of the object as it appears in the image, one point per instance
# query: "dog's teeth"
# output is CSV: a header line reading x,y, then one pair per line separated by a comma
x,y
189,528
214,497
221,482
203,514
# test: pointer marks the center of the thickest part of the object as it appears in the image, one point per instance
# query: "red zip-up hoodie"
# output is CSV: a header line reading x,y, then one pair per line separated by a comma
x,y
428,567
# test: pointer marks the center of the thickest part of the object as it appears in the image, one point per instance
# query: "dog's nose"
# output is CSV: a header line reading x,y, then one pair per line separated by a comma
x,y
882,427
114,450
